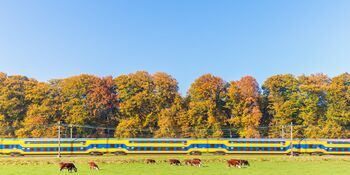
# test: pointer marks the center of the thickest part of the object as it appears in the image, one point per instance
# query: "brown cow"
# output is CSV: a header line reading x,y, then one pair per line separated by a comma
x,y
234,162
69,166
174,162
193,162
196,162
150,161
237,163
93,165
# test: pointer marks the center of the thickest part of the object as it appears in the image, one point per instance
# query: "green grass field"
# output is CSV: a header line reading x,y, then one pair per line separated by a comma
x,y
213,165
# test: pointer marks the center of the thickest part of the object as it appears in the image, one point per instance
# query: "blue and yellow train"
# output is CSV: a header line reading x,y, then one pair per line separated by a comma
x,y
91,146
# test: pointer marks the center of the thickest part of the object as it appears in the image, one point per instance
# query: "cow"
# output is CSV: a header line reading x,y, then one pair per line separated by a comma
x,y
193,162
93,166
244,163
196,162
237,163
69,166
150,161
174,162
234,163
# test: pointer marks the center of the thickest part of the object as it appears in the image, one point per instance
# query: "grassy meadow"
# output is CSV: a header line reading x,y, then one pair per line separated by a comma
x,y
213,165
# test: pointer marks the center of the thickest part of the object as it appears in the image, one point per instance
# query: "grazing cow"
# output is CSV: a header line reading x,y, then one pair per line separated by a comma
x,y
93,166
69,166
234,162
174,162
196,162
150,161
193,162
237,163
244,163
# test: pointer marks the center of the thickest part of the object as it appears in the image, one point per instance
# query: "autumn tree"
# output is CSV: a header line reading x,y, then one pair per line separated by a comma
x,y
207,112
337,124
137,104
282,94
40,113
312,97
13,104
102,101
171,121
244,104
75,108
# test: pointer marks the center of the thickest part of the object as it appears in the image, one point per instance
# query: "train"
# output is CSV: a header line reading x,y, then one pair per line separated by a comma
x,y
123,146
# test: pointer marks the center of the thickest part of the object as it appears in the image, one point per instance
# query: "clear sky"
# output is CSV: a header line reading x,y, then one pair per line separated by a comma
x,y
185,38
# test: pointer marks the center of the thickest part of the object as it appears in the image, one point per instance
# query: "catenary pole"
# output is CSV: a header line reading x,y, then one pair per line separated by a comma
x,y
59,139
291,139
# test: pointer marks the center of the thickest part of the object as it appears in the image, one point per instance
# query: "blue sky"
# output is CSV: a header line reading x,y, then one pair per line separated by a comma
x,y
185,38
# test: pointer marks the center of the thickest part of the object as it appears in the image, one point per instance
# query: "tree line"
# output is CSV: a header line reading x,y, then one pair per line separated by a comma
x,y
140,104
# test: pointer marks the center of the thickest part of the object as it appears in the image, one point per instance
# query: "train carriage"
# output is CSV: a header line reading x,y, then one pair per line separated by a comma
x,y
79,146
